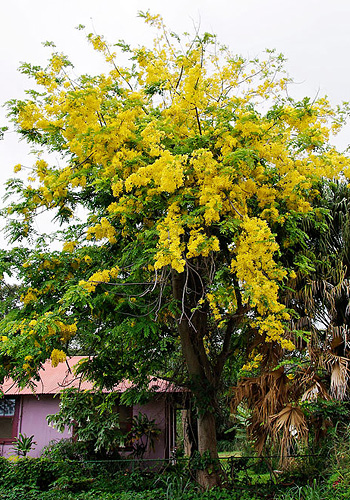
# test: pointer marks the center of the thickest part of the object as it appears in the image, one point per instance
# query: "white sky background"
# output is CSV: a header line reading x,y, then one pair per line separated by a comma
x,y
314,35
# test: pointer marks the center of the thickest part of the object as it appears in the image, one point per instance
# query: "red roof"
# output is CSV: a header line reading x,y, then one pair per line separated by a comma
x,y
54,379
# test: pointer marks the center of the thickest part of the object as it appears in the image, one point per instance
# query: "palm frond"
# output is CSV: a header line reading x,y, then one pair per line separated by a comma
x,y
316,391
338,367
289,428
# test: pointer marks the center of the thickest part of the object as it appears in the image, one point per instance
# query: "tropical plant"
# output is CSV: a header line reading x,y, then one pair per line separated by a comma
x,y
143,434
192,170
283,388
23,444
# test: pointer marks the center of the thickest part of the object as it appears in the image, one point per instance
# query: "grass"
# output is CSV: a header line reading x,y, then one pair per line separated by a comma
x,y
228,454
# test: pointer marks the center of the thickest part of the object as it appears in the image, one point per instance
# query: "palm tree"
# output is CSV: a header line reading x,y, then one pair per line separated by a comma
x,y
319,295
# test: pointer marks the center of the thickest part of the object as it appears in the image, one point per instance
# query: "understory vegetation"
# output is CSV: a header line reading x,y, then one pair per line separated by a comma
x,y
65,473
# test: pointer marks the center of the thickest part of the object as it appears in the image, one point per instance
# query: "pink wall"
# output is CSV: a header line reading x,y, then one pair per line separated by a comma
x,y
159,410
32,421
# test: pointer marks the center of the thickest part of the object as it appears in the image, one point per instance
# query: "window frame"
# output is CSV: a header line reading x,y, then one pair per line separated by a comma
x,y
15,421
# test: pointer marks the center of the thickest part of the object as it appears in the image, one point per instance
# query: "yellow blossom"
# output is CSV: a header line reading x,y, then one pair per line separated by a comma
x,y
57,357
69,246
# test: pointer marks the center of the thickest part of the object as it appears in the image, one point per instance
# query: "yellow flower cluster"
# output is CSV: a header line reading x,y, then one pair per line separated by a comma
x,y
151,139
170,245
255,265
88,259
102,230
30,296
57,63
200,244
253,363
259,274
166,173
99,277
47,327
214,306
272,326
222,301
29,115
57,357
67,331
69,246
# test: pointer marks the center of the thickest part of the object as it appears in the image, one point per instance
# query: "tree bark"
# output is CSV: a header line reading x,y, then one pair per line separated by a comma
x,y
211,475
202,381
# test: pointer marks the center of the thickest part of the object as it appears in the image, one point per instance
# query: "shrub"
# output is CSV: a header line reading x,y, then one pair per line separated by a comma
x,y
67,449
32,472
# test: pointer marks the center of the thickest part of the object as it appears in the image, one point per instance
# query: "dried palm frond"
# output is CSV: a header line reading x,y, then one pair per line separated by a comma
x,y
342,288
339,379
338,367
289,428
339,338
336,341
316,391
266,395
267,392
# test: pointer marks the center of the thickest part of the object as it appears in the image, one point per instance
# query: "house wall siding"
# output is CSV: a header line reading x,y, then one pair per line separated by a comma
x,y
155,410
32,421
161,410
34,410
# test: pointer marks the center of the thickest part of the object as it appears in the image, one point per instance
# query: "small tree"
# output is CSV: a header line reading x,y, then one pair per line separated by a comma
x,y
94,419
193,168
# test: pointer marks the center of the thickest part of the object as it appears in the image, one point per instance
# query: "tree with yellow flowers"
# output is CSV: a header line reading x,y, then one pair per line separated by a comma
x,y
191,169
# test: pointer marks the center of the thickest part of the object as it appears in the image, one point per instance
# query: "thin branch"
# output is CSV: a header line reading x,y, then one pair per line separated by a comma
x,y
198,122
180,76
233,207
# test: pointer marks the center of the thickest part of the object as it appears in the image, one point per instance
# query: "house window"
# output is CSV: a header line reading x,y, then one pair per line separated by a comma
x,y
8,418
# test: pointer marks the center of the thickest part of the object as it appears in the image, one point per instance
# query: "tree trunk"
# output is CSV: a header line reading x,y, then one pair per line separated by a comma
x,y
192,332
211,475
190,432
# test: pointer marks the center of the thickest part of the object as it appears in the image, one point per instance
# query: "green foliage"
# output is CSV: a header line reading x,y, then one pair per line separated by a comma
x,y
95,419
334,411
43,479
143,434
31,472
200,462
234,438
67,449
2,131
307,492
98,429
339,460
23,444
195,199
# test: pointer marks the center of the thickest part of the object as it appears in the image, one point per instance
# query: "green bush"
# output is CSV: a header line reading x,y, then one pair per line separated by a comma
x,y
36,473
67,449
47,479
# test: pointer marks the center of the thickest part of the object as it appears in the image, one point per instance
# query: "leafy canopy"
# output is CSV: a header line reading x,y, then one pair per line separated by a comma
x,y
189,165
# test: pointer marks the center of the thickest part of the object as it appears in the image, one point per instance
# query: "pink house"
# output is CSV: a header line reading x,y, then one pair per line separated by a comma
x,y
25,410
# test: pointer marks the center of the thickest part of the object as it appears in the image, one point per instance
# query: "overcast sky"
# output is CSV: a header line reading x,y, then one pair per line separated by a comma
x,y
314,35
